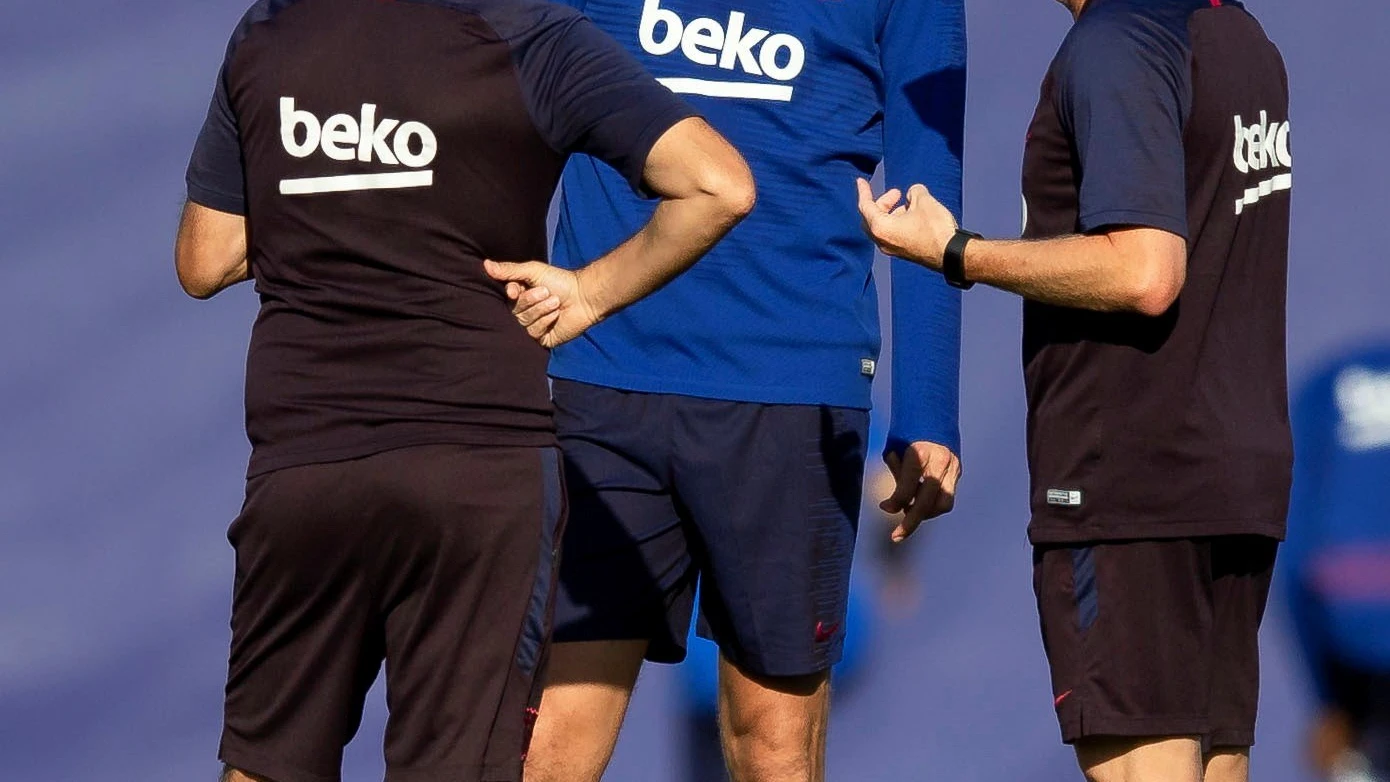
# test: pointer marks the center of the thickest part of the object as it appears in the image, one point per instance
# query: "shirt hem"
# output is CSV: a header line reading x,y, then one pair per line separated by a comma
x,y
1097,220
646,140
1045,533
264,463
770,395
212,199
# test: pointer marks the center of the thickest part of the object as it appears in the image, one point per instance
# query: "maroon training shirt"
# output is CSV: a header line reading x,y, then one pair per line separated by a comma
x,y
380,151
1171,114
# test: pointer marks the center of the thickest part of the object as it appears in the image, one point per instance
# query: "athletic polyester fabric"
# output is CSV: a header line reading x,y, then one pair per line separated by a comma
x,y
439,560
1155,637
1169,114
784,310
388,148
759,503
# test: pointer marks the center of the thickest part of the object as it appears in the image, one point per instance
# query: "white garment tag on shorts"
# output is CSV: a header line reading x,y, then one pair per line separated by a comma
x,y
1067,498
867,367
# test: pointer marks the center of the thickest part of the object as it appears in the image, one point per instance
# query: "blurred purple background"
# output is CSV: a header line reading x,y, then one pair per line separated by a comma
x,y
122,453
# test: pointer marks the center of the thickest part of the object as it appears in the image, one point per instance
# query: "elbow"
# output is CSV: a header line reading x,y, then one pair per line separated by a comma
x,y
194,282
735,192
743,195
198,289
1154,291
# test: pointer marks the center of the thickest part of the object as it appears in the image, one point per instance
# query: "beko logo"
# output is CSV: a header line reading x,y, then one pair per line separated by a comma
x,y
1260,146
704,41
364,138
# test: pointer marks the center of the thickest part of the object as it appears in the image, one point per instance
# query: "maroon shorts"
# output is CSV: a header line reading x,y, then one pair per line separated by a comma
x,y
439,560
1156,638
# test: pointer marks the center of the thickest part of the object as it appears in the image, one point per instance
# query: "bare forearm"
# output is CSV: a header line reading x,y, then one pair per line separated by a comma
x,y
1128,268
678,234
1085,272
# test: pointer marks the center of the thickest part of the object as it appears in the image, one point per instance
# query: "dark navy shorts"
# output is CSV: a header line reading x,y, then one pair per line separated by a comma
x,y
1152,638
439,560
758,502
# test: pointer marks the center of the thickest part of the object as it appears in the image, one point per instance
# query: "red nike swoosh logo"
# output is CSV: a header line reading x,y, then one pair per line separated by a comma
x,y
824,632
1058,702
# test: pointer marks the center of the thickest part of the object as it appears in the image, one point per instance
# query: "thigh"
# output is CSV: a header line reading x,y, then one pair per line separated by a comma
x,y
1242,569
627,570
466,587
774,493
1128,632
306,641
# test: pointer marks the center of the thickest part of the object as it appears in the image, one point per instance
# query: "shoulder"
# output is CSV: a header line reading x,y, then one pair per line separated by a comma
x,y
516,20
1123,34
259,13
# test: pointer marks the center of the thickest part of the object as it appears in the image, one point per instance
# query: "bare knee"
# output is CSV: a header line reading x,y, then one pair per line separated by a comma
x,y
773,729
1123,759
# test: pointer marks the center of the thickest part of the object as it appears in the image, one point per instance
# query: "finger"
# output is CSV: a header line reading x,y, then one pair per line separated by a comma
x,y
540,310
905,529
909,479
866,193
868,209
894,461
946,500
542,327
890,199
923,504
529,298
514,290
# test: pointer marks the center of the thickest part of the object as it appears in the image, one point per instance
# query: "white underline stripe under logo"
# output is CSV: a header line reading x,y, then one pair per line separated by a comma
x,y
728,89
1274,184
349,182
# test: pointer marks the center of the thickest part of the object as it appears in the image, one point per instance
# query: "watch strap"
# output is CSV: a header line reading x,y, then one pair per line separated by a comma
x,y
953,260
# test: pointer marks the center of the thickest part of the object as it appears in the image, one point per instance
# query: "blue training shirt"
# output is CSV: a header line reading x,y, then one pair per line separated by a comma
x,y
784,310
1336,562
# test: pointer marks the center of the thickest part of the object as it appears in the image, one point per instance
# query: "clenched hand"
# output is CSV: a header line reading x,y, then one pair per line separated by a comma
x,y
548,301
926,475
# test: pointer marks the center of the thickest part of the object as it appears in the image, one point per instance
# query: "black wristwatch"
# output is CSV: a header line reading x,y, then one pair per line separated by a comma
x,y
953,260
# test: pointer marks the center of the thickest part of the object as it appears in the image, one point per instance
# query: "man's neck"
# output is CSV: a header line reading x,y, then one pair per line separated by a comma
x,y
1076,7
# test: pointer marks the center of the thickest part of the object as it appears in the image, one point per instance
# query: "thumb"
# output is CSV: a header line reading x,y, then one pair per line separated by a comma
x,y
916,195
521,272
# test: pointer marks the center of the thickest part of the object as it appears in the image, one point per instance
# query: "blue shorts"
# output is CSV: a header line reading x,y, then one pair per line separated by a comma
x,y
758,502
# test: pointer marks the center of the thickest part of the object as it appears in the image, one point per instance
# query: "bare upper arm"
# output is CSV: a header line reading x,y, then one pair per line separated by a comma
x,y
692,159
1157,261
210,251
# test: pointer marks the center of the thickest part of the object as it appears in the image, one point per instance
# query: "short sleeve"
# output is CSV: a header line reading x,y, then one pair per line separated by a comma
x,y
586,94
1123,94
215,177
